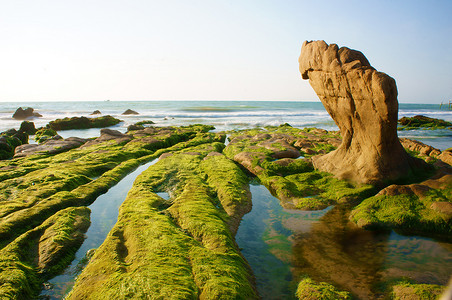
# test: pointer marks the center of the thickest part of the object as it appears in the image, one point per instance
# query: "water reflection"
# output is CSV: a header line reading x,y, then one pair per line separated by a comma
x,y
337,252
284,245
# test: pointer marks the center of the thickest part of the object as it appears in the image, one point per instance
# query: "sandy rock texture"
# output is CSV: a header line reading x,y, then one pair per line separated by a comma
x,y
363,103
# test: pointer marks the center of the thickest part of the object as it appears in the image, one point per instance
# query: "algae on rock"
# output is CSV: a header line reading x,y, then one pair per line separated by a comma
x,y
181,248
269,154
35,189
41,252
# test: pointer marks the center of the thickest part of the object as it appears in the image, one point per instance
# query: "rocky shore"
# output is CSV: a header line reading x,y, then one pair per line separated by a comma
x,y
182,245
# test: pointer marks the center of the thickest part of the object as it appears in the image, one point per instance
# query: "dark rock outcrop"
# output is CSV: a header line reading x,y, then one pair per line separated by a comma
x,y
130,112
22,114
420,121
83,123
28,127
363,103
96,112
9,140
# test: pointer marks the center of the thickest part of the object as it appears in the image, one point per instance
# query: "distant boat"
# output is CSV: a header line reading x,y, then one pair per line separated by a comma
x,y
107,100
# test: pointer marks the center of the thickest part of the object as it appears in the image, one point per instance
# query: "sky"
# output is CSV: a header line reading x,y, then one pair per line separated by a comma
x,y
213,49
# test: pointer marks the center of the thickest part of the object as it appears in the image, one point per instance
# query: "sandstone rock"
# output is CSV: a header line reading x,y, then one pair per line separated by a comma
x,y
420,147
363,103
443,207
52,146
108,135
446,156
246,159
22,114
280,148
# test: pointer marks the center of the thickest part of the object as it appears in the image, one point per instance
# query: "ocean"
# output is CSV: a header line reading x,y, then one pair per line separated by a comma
x,y
224,115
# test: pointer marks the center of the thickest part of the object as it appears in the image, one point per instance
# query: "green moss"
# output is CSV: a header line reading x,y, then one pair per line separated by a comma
x,y
309,289
83,123
406,290
43,134
293,181
41,252
145,122
422,122
180,248
406,212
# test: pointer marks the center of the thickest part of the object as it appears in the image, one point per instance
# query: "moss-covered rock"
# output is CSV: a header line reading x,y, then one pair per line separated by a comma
x,y
180,248
44,134
41,252
83,123
423,122
424,208
310,290
269,154
37,187
10,140
28,127
406,290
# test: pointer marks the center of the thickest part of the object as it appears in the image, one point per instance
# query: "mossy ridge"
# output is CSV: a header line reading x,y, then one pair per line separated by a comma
x,y
423,122
180,248
83,123
408,213
231,186
311,290
43,134
41,252
407,290
294,181
111,165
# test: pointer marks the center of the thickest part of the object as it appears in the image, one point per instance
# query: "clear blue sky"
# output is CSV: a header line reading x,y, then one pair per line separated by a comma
x,y
206,50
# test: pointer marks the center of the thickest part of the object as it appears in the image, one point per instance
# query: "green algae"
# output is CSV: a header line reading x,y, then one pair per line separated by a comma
x,y
181,248
309,289
408,213
293,181
41,252
37,187
43,134
83,123
423,122
407,290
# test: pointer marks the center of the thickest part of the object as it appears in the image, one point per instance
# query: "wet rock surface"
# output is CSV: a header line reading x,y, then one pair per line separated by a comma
x,y
49,147
363,104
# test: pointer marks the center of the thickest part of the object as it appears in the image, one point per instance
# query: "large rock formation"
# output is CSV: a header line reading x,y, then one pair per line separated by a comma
x,y
22,114
363,103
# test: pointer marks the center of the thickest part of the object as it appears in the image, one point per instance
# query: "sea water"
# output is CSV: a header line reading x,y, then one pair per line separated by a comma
x,y
224,115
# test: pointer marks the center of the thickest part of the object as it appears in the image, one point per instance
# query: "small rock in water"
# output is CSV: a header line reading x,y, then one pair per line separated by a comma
x,y
22,114
96,112
130,112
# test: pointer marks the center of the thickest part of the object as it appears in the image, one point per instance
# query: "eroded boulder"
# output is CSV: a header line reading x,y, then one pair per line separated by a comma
x,y
363,103
22,114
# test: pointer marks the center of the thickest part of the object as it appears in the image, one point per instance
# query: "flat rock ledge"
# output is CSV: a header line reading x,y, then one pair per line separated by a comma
x,y
363,104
